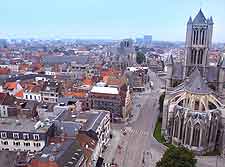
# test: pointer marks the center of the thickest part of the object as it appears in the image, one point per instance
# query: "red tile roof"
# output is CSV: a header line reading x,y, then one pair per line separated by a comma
x,y
19,94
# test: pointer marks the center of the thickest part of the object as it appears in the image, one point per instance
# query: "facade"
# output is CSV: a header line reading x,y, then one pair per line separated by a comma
x,y
193,112
137,77
51,91
94,134
124,55
198,43
107,98
32,92
23,134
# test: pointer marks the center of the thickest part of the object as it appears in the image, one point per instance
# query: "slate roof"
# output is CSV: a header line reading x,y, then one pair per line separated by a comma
x,y
200,18
169,60
79,59
196,84
67,154
178,71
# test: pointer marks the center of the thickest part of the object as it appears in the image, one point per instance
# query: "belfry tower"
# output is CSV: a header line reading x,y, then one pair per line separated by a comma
x,y
198,42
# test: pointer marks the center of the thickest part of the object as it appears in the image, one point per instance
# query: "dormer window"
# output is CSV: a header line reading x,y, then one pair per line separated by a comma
x,y
36,136
3,135
15,135
25,136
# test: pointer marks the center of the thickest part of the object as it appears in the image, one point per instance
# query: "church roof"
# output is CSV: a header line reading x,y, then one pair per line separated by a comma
x,y
196,84
178,71
200,18
169,60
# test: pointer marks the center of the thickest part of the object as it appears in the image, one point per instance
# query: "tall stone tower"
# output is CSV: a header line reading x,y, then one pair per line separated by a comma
x,y
198,42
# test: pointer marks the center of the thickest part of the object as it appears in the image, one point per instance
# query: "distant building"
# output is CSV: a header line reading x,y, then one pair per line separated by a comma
x,y
137,77
124,55
147,41
51,91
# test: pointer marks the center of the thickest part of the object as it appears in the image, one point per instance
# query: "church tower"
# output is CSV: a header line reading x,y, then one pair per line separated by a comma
x,y
198,42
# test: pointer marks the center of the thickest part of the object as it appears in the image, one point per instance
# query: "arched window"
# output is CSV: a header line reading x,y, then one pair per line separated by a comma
x,y
203,37
181,128
214,130
194,56
200,56
176,127
188,134
194,35
196,135
197,37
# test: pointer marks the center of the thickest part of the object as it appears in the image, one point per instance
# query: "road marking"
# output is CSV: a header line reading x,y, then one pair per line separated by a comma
x,y
132,131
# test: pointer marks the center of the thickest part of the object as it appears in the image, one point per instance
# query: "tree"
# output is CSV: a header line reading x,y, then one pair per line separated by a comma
x,y
140,58
177,157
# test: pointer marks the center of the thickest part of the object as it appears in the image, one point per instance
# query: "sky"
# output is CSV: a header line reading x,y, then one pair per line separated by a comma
x,y
109,19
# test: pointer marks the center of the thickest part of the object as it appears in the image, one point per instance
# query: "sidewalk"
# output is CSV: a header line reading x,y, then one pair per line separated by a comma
x,y
210,161
112,146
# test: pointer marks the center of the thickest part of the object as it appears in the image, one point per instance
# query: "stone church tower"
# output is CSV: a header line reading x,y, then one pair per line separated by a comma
x,y
198,42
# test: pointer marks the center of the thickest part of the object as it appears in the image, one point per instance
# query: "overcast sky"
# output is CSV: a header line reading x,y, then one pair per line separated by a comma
x,y
114,19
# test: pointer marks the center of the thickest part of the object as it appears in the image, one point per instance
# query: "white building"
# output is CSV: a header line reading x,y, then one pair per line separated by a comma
x,y
23,134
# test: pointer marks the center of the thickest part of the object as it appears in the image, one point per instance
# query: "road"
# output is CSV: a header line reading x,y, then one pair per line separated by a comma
x,y
138,148
142,149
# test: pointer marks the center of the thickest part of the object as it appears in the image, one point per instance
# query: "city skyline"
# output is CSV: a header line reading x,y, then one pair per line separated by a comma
x,y
91,19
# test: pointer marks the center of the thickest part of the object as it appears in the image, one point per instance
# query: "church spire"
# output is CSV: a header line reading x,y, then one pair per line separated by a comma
x,y
200,18
190,20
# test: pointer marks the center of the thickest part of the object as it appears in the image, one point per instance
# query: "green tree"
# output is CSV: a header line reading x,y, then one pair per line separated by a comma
x,y
140,58
177,157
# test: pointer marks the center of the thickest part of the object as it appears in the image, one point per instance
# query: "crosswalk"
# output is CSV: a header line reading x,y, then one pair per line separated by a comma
x,y
132,131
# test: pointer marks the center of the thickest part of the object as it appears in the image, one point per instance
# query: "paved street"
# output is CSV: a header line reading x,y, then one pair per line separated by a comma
x,y
142,148
133,145
138,147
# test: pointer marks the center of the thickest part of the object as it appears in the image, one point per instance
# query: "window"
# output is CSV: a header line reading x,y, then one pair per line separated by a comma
x,y
4,142
15,135
25,136
26,144
4,113
196,136
26,96
36,136
37,144
3,135
31,97
16,143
